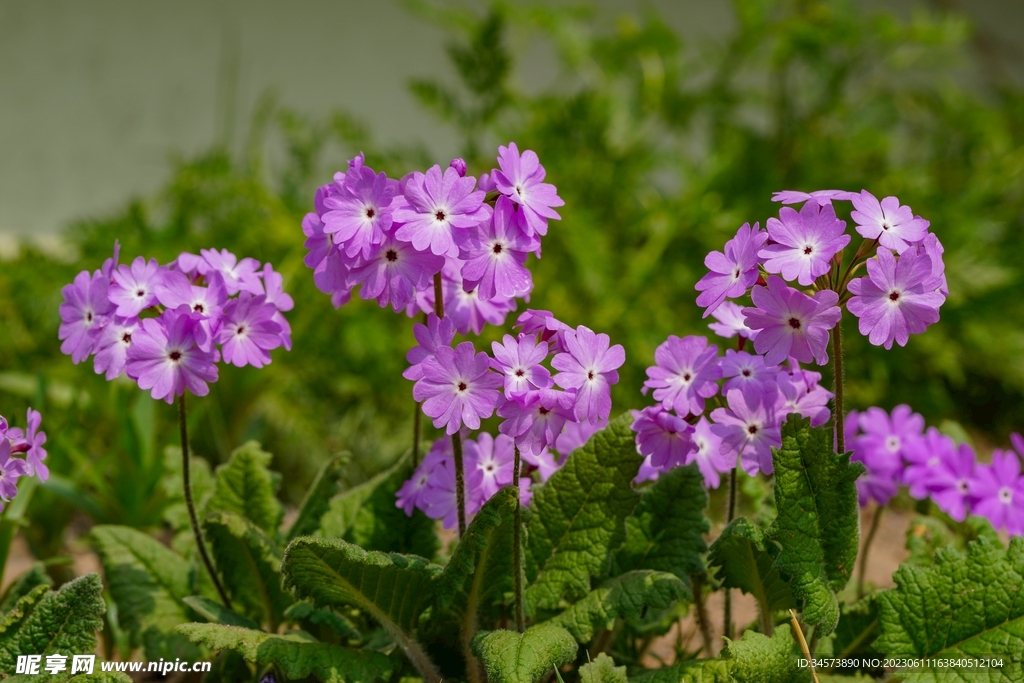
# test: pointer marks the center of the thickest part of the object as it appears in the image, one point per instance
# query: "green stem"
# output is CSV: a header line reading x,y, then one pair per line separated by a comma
x,y
517,547
460,482
837,371
862,572
703,622
731,514
187,483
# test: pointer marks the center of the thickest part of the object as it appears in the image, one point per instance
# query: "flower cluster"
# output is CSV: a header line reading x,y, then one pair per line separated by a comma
x,y
28,442
402,241
900,295
754,396
161,325
897,450
542,411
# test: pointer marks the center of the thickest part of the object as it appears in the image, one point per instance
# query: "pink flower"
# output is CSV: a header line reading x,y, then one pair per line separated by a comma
x,y
748,428
997,492
792,323
248,332
437,205
392,274
239,276
589,367
521,179
820,197
684,375
804,243
85,307
134,287
494,255
437,332
733,272
165,357
112,344
662,436
894,226
359,216
730,322
535,418
519,360
708,454
457,388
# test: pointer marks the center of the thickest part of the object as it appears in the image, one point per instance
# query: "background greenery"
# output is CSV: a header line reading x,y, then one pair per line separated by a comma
x,y
660,151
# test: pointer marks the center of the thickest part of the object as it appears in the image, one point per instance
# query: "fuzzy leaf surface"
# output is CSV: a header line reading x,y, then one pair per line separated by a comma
x,y
602,670
366,515
250,563
298,655
53,622
965,605
96,676
245,486
817,529
512,657
756,658
666,530
317,499
216,613
579,517
692,671
149,582
625,596
36,576
743,562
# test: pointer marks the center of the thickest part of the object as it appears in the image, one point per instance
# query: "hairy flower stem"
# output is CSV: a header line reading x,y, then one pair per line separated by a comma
x,y
187,483
438,296
460,482
517,548
862,571
837,370
731,513
703,622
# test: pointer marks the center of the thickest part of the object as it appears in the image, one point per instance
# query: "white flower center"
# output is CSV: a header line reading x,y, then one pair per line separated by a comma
x,y
892,443
961,486
1005,495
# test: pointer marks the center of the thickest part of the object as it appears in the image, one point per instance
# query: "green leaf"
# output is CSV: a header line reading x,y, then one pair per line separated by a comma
x,y
33,578
626,596
578,517
216,613
148,582
317,499
297,654
743,562
367,516
817,528
691,671
964,606
756,658
176,512
392,589
96,676
602,670
859,626
246,487
250,564
511,657
312,618
666,531
53,622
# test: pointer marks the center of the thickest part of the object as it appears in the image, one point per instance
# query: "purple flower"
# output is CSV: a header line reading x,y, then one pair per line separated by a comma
x,y
1018,443
360,215
821,197
921,457
804,243
394,272
748,373
894,226
207,302
544,461
11,469
494,460
686,373
495,253
112,343
892,302
730,322
457,388
748,427
932,248
951,481
248,332
733,272
535,418
437,205
35,453
165,356
577,434
239,276
881,480
410,495
437,332
662,436
997,493
134,287
85,307
521,179
792,323
647,472
889,436
468,311
589,367
440,499
797,395
519,360
459,164
710,459
273,287
544,322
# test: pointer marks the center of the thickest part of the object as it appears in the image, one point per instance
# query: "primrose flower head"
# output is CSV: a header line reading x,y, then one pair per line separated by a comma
x,y
589,366
894,225
790,323
437,205
733,272
521,179
997,492
457,387
748,428
685,374
804,243
667,439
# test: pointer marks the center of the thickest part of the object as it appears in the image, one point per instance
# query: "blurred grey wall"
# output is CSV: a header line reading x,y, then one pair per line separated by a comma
x,y
96,96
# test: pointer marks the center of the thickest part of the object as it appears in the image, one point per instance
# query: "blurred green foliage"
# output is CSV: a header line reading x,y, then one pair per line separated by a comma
x,y
660,151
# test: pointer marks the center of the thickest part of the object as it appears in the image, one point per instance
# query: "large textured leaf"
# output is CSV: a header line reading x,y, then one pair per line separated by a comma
x,y
367,516
756,658
666,531
625,596
53,622
148,582
317,499
250,563
744,562
964,606
36,576
692,671
602,670
216,613
176,513
392,589
246,487
297,655
579,517
96,676
817,528
511,657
